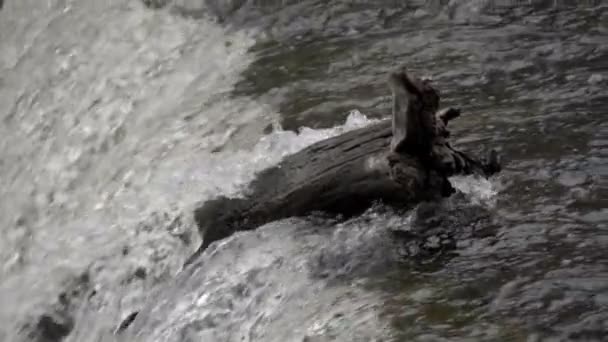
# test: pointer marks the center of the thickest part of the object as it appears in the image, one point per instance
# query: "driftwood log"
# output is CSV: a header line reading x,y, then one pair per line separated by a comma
x,y
399,162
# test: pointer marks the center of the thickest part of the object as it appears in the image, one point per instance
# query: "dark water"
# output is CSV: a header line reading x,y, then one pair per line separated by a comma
x,y
531,78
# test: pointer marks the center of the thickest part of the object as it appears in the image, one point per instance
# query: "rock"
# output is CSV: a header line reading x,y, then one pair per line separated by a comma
x,y
126,322
57,321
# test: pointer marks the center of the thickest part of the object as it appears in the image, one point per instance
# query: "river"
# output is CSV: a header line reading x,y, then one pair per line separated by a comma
x,y
118,119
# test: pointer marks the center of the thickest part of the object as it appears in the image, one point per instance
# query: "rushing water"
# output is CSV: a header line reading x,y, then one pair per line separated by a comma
x,y
117,120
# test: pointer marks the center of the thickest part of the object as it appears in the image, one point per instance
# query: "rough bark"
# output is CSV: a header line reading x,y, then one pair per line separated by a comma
x,y
400,162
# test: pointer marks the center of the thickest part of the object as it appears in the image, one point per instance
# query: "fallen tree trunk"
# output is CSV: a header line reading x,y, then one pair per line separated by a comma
x,y
400,162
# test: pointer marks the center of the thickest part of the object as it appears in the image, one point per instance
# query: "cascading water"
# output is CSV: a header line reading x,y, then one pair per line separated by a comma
x,y
108,111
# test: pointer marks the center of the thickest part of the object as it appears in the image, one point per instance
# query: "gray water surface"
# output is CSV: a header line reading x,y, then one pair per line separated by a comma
x,y
117,120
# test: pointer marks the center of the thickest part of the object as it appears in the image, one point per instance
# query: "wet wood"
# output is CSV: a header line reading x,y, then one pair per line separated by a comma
x,y
400,162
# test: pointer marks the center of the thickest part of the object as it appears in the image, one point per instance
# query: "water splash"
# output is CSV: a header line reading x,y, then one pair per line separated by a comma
x,y
290,280
479,190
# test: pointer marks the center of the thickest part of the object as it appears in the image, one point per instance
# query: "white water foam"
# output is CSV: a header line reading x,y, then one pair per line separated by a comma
x,y
102,110
478,190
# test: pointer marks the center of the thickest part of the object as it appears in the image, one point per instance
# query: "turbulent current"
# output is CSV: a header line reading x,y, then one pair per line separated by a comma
x,y
119,117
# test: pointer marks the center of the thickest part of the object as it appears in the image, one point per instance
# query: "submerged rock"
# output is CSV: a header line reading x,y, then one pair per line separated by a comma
x,y
126,322
58,320
437,228
155,4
